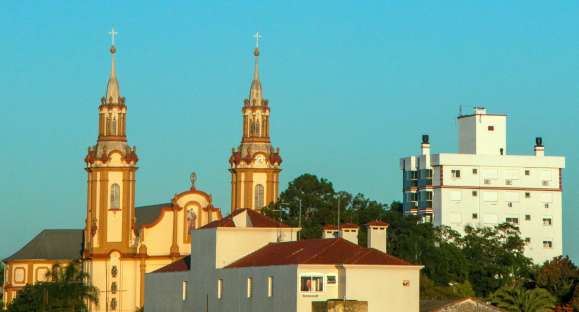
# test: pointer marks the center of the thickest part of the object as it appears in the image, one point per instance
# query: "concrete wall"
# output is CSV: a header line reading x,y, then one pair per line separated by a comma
x,y
391,288
163,292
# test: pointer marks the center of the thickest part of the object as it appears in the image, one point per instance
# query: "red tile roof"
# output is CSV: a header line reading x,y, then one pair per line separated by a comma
x,y
377,223
257,220
316,251
349,226
183,264
329,227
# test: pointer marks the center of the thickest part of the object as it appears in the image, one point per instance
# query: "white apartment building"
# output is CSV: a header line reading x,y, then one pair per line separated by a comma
x,y
482,185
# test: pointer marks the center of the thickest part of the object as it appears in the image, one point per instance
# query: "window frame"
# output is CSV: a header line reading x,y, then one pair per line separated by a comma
x,y
312,276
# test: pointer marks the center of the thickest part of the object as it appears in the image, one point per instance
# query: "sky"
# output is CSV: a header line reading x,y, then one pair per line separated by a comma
x,y
352,86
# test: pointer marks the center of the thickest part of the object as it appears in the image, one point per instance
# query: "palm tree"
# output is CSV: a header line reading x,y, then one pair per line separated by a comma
x,y
68,289
517,299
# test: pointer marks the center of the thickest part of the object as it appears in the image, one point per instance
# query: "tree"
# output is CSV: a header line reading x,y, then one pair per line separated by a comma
x,y
66,290
495,257
559,276
516,299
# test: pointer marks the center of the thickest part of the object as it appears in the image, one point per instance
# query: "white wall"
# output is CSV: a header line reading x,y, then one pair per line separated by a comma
x,y
163,291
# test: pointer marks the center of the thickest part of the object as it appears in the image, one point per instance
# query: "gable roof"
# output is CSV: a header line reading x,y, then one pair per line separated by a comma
x,y
256,220
427,305
183,264
316,251
52,245
148,214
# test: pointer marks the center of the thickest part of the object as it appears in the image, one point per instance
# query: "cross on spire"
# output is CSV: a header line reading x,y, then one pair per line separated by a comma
x,y
257,36
113,33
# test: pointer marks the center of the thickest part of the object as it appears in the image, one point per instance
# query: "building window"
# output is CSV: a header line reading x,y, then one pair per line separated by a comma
x,y
115,196
510,204
527,195
475,216
545,183
184,290
219,288
474,171
455,173
114,271
487,181
114,304
249,287
270,286
406,283
259,201
527,240
513,220
546,205
527,172
114,288
547,244
528,217
491,128
547,221
312,283
331,279
508,182
474,193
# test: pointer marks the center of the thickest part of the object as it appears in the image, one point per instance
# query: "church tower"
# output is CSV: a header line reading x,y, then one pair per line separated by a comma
x,y
111,166
255,164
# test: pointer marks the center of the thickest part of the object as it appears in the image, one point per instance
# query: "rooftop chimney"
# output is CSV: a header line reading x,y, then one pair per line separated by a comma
x,y
349,232
377,235
539,148
425,146
330,231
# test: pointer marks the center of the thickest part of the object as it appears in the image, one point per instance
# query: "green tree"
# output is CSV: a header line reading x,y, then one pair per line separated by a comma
x,y
66,290
516,299
495,257
559,276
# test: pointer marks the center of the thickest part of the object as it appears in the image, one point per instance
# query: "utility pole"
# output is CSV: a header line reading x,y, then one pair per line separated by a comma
x,y
339,198
300,219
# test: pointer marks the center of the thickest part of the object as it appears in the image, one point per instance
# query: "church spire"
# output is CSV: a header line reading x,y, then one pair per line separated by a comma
x,y
113,92
255,92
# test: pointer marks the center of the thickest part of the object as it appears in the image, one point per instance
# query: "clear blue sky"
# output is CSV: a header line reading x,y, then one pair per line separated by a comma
x,y
352,85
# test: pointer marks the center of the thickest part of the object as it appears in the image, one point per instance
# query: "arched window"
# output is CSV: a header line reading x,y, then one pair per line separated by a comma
x,y
259,200
107,124
115,196
257,128
114,127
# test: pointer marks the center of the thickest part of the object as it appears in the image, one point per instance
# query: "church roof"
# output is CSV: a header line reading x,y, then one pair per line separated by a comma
x,y
52,245
253,219
148,214
183,264
316,251
62,244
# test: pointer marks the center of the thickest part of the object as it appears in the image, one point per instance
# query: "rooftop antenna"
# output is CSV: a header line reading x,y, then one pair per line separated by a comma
x,y
460,110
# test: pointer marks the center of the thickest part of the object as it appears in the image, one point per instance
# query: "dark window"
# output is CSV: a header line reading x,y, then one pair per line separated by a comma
x,y
527,195
475,215
491,128
528,217
513,220
527,172
474,193
474,171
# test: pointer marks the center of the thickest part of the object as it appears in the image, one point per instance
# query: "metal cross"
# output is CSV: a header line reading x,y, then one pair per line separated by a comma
x,y
113,33
257,36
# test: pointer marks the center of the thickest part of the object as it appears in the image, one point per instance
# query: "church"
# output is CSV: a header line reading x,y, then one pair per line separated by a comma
x,y
120,242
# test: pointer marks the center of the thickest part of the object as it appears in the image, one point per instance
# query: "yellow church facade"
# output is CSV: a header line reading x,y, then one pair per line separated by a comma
x,y
121,242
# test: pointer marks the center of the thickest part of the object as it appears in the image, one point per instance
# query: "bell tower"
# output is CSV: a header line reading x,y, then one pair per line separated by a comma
x,y
111,166
255,164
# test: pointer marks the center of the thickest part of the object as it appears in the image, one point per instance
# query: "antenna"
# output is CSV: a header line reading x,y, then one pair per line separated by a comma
x,y
460,110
